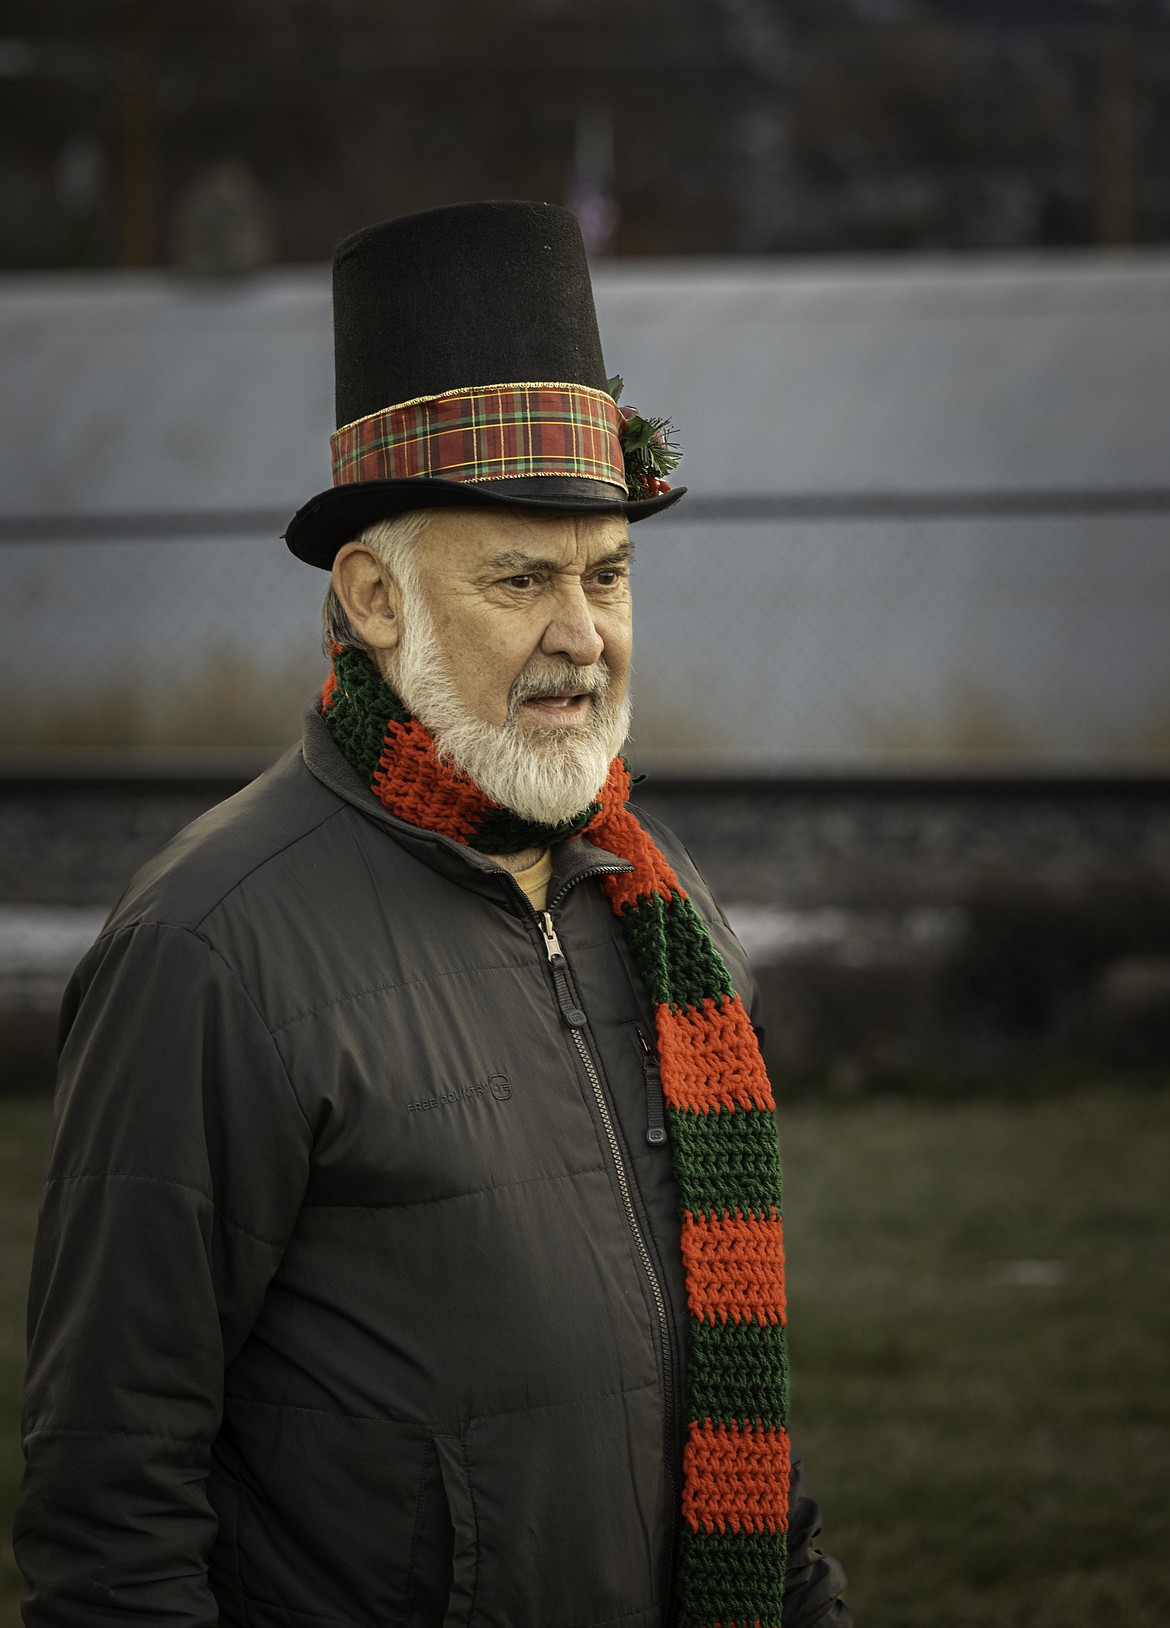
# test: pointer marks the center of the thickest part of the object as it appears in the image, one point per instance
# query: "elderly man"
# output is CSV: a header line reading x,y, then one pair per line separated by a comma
x,y
411,1244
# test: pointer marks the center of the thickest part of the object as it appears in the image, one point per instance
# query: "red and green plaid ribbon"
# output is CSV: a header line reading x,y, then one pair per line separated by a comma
x,y
493,432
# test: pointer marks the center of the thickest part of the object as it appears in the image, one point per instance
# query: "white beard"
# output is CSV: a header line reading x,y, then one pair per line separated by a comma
x,y
547,775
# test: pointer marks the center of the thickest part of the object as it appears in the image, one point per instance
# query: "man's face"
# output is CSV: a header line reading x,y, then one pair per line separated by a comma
x,y
512,644
516,601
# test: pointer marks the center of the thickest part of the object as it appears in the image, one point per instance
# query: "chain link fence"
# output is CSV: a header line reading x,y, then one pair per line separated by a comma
x,y
855,643
923,766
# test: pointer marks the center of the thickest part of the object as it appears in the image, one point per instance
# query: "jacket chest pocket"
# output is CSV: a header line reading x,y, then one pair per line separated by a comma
x,y
442,1090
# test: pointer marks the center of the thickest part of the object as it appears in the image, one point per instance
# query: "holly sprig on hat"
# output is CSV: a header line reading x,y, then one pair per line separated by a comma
x,y
650,454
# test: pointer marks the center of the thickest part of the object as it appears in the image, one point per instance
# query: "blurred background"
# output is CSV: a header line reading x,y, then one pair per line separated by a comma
x,y
899,271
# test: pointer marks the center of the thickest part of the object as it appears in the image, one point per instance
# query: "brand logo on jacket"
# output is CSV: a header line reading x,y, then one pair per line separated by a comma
x,y
499,1085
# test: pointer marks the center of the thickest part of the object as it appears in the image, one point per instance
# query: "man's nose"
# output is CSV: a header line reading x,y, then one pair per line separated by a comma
x,y
572,632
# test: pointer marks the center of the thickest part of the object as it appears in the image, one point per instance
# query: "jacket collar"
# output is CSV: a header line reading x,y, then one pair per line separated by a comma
x,y
573,860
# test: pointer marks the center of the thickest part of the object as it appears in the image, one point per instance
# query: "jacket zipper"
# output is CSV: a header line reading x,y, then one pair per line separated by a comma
x,y
575,1021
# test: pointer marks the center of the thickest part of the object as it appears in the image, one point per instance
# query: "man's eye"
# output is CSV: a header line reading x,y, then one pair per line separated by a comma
x,y
608,578
522,581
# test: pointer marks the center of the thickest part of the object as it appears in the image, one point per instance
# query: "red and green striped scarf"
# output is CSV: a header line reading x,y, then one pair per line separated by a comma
x,y
719,1110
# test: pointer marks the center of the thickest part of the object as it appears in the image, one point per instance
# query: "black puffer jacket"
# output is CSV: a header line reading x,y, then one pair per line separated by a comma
x,y
356,1299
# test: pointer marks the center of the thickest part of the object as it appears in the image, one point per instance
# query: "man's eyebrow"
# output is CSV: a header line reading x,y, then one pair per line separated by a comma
x,y
515,562
518,563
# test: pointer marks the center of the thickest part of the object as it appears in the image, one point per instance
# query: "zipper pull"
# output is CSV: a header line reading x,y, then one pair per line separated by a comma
x,y
655,1113
552,944
570,1011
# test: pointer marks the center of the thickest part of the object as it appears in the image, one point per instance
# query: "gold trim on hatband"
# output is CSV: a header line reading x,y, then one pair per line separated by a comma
x,y
479,390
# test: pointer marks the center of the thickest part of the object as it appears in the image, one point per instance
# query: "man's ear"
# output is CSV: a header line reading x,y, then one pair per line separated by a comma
x,y
370,596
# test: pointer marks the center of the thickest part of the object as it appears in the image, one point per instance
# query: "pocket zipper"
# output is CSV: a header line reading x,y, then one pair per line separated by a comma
x,y
655,1112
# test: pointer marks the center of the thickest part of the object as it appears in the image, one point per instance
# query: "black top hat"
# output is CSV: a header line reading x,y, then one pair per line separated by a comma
x,y
469,373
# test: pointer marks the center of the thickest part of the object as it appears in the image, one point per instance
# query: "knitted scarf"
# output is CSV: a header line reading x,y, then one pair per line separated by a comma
x,y
719,1112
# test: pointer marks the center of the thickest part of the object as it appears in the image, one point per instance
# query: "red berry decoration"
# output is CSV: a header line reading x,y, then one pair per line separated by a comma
x,y
647,449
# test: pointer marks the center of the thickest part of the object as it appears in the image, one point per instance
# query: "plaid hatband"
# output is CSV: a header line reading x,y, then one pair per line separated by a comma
x,y
492,432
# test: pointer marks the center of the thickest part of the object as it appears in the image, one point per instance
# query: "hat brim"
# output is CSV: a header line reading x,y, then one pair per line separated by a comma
x,y
334,517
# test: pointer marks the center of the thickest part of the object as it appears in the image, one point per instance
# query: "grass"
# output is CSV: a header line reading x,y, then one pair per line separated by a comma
x,y
980,1333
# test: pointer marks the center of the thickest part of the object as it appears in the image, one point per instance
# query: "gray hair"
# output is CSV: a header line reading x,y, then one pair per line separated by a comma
x,y
392,542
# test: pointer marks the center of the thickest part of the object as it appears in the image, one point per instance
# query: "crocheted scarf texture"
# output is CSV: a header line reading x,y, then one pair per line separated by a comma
x,y
719,1113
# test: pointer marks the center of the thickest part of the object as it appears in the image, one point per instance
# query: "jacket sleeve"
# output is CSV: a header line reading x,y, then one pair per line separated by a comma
x,y
814,1580
178,1167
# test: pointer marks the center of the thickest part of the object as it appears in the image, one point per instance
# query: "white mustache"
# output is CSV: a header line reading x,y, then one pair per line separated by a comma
x,y
563,680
